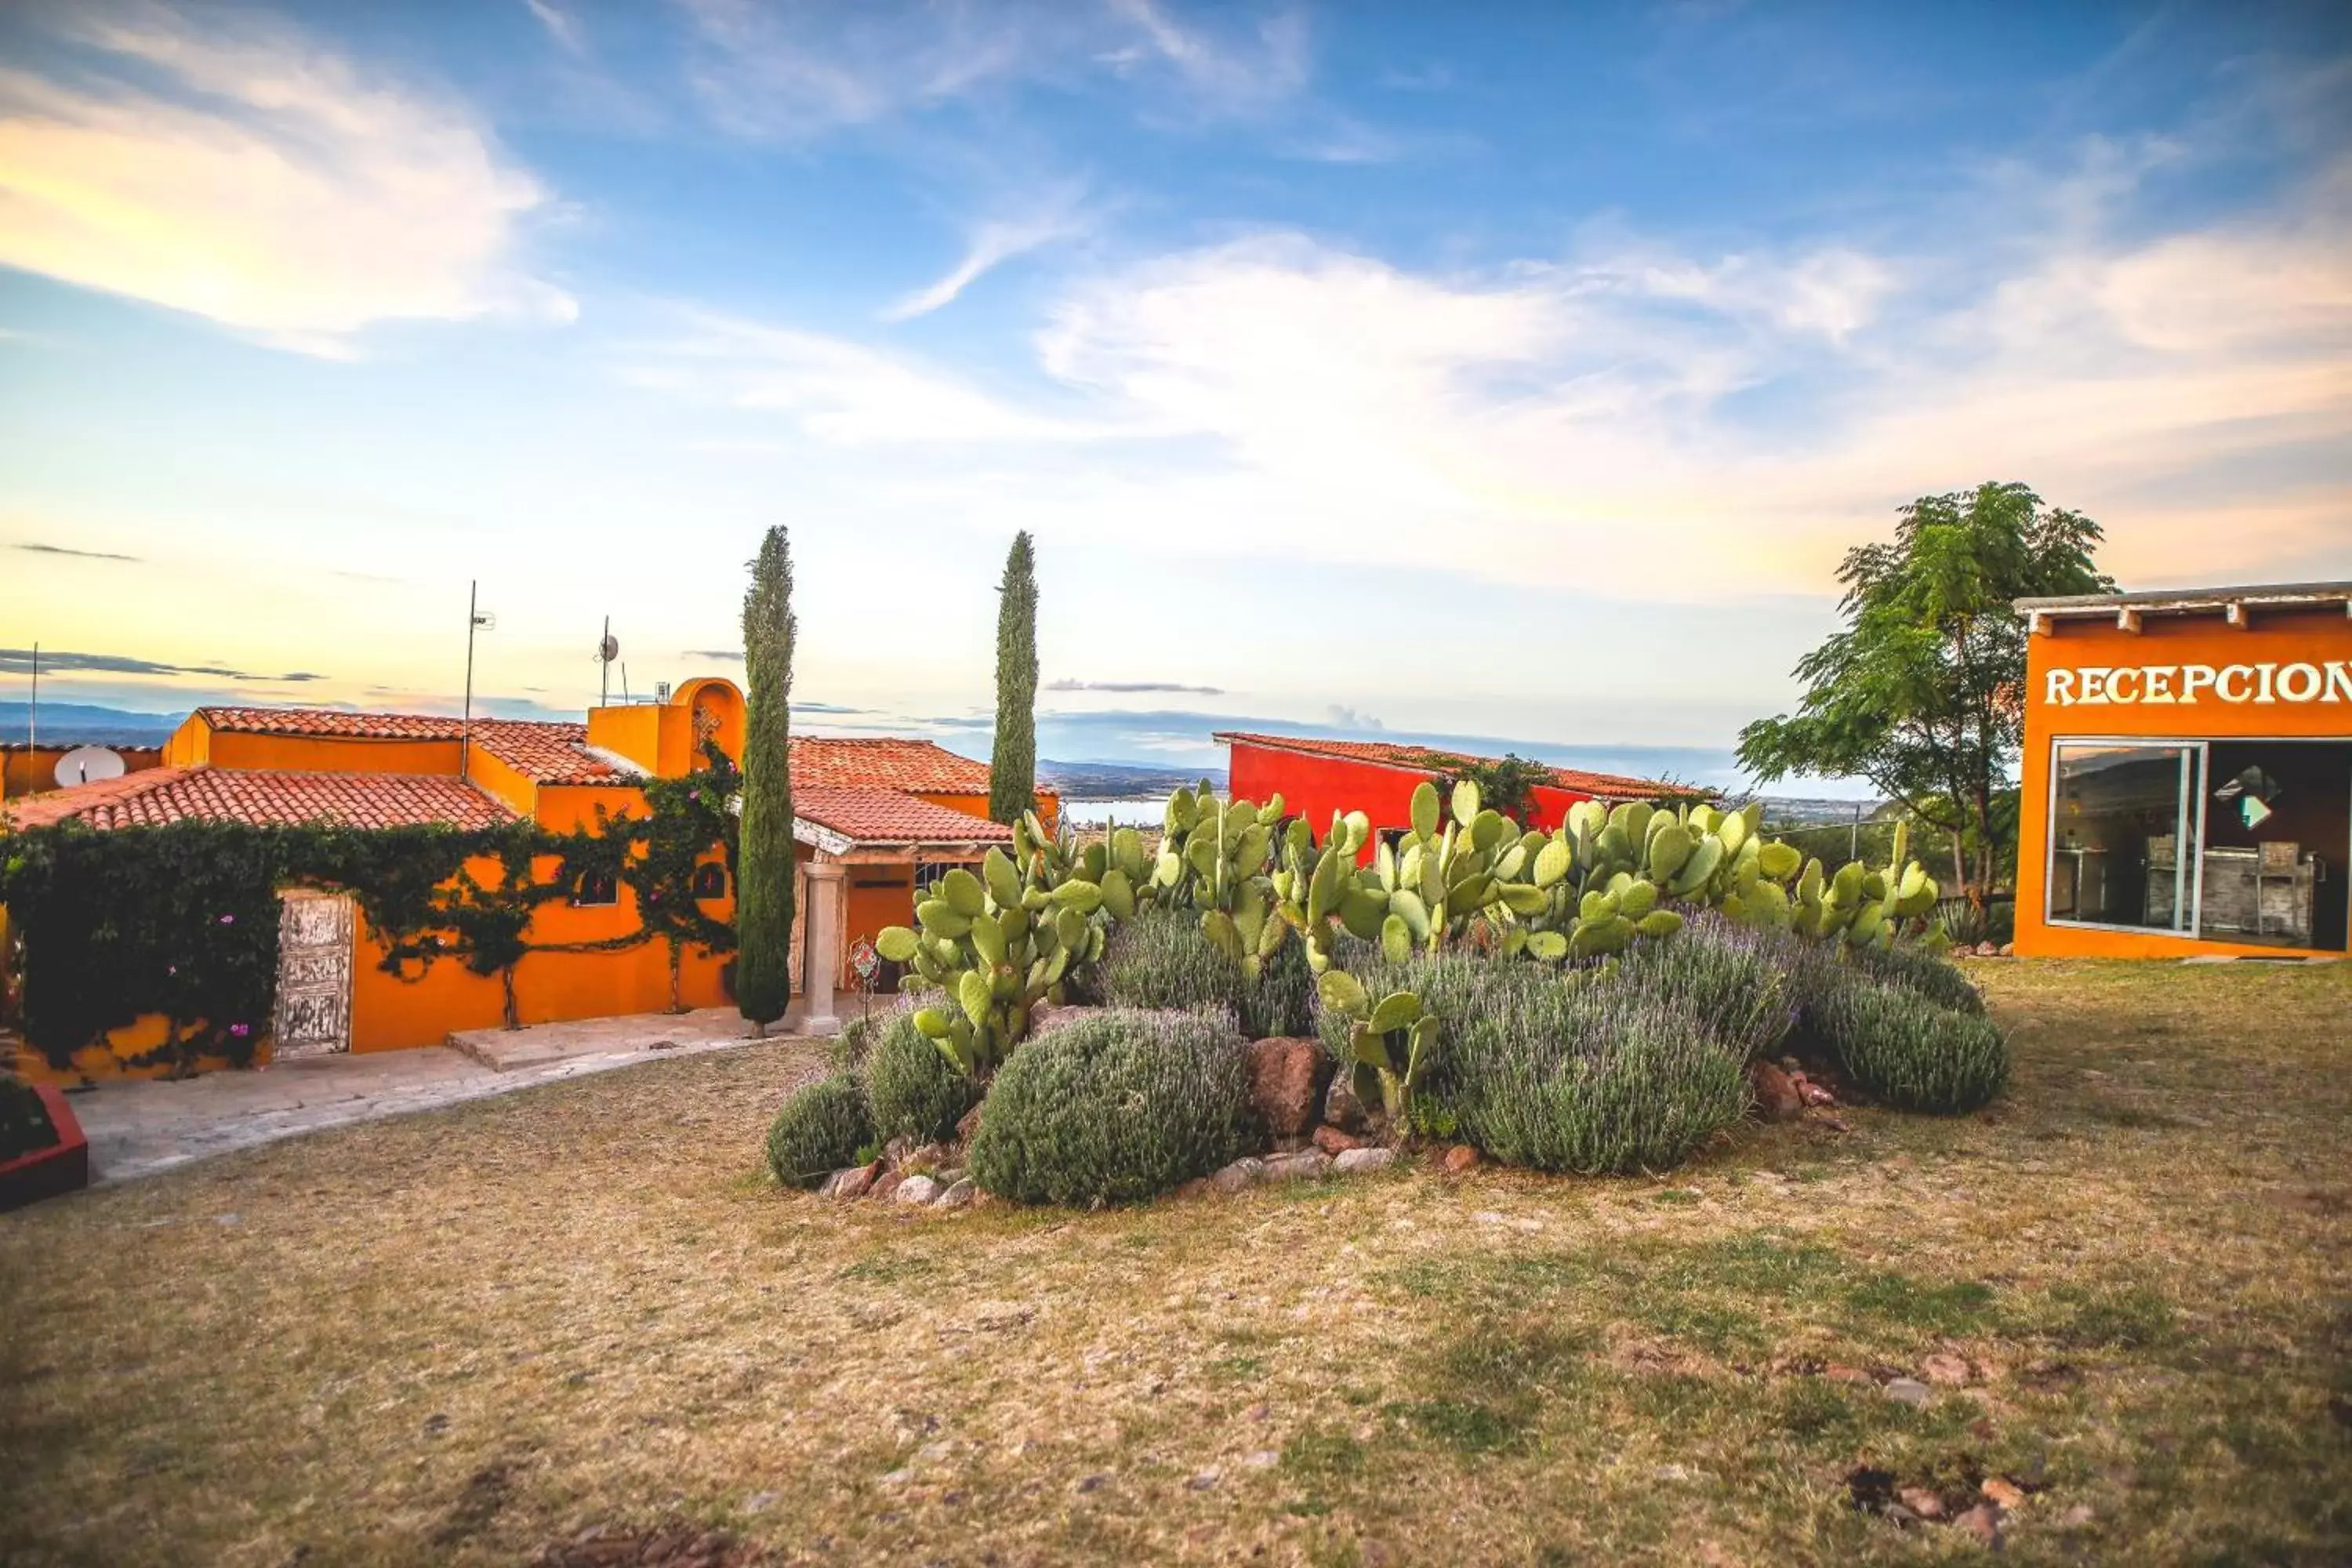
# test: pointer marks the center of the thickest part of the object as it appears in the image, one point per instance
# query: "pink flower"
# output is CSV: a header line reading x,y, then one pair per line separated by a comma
x,y
239,1030
228,920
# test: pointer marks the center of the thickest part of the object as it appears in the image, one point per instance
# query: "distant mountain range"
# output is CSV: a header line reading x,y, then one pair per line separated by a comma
x,y
85,723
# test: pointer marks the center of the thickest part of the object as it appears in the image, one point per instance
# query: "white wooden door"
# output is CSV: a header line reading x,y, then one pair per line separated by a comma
x,y
314,974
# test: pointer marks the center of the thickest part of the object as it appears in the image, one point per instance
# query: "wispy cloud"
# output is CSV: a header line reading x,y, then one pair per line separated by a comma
x,y
797,73
233,168
562,25
19,660
1132,686
994,242
38,549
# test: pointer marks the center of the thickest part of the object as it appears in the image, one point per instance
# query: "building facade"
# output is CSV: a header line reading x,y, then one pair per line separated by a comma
x,y
2186,785
874,820
1317,777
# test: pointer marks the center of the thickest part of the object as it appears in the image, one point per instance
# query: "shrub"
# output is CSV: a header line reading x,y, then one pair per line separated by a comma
x,y
1904,1048
820,1129
1115,1108
1732,978
1916,970
912,1088
1162,960
1594,1078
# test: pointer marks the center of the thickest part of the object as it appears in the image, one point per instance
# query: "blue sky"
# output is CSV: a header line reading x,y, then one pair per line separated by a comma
x,y
1508,370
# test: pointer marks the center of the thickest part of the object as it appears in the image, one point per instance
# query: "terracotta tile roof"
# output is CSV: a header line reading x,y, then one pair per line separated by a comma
x,y
1433,760
860,762
891,816
332,721
543,751
264,799
546,751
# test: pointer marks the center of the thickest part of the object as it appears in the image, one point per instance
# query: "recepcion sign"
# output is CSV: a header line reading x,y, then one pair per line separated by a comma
x,y
2160,685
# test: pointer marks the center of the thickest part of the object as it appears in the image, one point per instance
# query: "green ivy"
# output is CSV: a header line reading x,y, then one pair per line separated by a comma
x,y
180,921
1506,785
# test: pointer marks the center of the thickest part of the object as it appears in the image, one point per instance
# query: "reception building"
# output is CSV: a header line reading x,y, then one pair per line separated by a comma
x,y
2187,774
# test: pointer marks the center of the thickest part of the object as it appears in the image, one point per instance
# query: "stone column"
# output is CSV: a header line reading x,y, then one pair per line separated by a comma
x,y
821,959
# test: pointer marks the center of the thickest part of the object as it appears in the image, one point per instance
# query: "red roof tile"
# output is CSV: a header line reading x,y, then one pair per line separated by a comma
x,y
332,721
1433,760
891,816
878,763
263,799
546,751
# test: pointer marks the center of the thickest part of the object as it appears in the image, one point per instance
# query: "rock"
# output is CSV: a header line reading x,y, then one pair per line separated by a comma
x,y
1922,1501
1286,1078
1263,1459
916,1190
885,1185
1983,1522
1777,1098
854,1183
1242,1174
959,1196
931,1159
2007,950
1945,1371
1093,1483
1460,1158
1907,1391
2002,1490
2076,1517
970,1125
1198,1187
1813,1093
895,1153
1351,1160
1341,1109
1304,1166
1331,1140
1204,1480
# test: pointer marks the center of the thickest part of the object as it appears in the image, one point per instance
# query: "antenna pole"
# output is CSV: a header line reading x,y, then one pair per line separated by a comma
x,y
624,683
604,667
466,727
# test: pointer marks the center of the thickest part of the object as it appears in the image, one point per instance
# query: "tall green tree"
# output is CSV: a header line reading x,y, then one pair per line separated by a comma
x,y
1922,691
764,856
1012,766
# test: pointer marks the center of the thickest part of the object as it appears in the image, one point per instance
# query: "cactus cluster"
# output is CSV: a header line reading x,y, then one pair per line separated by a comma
x,y
1217,857
1389,1044
998,944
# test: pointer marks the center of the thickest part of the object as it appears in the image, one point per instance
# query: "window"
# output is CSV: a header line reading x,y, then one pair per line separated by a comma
x,y
927,875
710,880
596,887
2124,829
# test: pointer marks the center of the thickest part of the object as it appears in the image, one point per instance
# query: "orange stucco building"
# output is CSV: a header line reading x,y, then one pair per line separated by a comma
x,y
2187,786
874,819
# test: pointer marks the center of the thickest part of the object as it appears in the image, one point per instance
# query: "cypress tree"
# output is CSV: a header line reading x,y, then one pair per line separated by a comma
x,y
764,865
1012,767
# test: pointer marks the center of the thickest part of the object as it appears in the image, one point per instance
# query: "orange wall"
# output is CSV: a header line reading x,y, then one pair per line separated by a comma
x,y
2070,649
198,743
874,897
28,771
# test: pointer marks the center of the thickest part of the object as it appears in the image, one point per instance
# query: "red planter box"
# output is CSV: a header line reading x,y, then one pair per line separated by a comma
x,y
62,1167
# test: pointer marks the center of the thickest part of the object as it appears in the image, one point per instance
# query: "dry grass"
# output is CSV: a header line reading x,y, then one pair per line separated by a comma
x,y
459,1336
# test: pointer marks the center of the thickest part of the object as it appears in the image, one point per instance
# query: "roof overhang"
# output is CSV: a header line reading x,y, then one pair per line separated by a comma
x,y
2230,602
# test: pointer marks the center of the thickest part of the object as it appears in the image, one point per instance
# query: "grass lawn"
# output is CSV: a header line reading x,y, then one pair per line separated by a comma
x,y
468,1335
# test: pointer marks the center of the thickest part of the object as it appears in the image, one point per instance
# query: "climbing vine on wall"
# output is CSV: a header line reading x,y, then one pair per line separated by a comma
x,y
1506,785
180,921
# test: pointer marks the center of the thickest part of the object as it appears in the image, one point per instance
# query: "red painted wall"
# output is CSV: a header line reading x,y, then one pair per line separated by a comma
x,y
1315,788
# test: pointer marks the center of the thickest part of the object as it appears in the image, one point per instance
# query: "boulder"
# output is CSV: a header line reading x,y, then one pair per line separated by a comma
x,y
1907,1391
1460,1158
1242,1174
1331,1140
854,1183
885,1185
1341,1109
1778,1098
970,1125
1286,1078
916,1190
958,1194
1304,1166
1353,1159
2006,950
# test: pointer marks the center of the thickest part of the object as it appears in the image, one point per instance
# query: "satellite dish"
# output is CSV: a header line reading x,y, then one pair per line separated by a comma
x,y
609,649
88,764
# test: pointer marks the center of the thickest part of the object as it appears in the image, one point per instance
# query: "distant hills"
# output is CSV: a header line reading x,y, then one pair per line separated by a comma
x,y
1119,781
87,723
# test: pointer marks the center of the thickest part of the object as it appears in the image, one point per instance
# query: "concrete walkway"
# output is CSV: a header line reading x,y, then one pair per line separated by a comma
x,y
138,1129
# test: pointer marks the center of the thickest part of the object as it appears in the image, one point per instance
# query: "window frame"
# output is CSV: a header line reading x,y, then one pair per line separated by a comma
x,y
2196,758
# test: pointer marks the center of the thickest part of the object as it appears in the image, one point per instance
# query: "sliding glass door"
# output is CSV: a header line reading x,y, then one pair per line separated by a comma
x,y
2124,829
